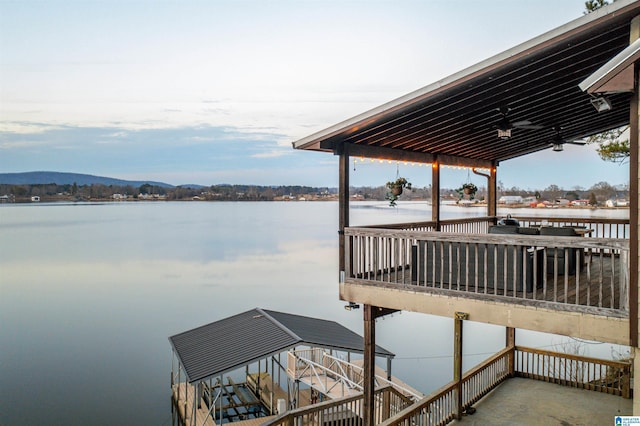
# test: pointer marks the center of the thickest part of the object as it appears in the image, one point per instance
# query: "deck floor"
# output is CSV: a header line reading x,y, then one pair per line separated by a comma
x,y
520,401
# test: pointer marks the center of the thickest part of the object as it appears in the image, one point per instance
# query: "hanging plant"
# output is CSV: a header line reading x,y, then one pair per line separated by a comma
x,y
467,189
395,189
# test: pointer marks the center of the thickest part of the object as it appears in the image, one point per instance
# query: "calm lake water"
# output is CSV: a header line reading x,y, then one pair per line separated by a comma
x,y
89,294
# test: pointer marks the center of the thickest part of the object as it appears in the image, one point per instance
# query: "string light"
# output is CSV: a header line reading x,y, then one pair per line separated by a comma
x,y
419,164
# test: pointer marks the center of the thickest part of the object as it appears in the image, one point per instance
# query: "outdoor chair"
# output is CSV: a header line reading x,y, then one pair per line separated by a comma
x,y
563,255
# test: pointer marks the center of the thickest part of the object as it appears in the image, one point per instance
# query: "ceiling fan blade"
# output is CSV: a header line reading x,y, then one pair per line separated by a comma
x,y
577,142
526,124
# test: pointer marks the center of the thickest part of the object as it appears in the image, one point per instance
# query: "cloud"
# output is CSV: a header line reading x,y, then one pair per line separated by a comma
x,y
272,154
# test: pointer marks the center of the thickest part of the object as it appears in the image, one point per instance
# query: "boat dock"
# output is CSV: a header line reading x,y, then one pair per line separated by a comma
x,y
312,370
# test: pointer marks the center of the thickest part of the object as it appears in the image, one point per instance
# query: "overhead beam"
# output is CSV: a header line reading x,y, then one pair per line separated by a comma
x,y
384,153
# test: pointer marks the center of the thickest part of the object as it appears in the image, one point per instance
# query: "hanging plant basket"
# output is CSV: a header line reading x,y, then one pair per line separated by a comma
x,y
395,189
467,189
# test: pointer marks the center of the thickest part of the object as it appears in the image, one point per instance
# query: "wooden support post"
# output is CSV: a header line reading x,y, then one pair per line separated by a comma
x,y
343,207
369,364
388,368
511,343
435,193
457,358
634,195
492,202
634,214
273,386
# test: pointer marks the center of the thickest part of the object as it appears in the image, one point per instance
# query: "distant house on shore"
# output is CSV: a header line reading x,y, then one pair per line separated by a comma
x,y
580,203
510,199
618,202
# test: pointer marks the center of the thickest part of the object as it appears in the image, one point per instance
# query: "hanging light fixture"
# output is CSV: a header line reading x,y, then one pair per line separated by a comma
x,y
504,134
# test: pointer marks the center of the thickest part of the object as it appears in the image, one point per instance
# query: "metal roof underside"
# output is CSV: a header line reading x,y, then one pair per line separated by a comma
x,y
456,118
239,340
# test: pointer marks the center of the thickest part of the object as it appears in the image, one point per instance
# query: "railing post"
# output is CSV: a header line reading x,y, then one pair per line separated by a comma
x,y
435,193
511,344
457,359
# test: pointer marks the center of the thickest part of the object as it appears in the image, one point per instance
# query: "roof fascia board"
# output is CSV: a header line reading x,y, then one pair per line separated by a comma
x,y
547,39
598,81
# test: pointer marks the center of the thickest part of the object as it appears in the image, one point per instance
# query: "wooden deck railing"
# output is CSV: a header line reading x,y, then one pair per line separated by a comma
x,y
572,273
441,407
612,377
601,227
469,225
344,411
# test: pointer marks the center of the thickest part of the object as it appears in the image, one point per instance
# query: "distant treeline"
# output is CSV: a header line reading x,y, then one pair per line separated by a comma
x,y
74,192
599,192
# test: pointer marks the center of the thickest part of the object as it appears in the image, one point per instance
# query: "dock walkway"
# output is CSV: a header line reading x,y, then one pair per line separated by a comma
x,y
184,405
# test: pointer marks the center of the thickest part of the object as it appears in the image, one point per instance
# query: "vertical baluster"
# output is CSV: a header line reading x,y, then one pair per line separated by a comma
x,y
578,273
613,275
451,263
544,273
495,268
476,260
397,258
567,255
486,266
601,278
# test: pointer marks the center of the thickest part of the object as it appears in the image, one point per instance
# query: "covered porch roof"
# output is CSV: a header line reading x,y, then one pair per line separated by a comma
x,y
537,82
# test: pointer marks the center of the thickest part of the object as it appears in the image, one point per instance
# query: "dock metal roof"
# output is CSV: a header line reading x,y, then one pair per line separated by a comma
x,y
239,340
457,117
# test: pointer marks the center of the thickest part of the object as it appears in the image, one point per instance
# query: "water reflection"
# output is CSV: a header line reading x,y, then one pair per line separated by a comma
x,y
90,293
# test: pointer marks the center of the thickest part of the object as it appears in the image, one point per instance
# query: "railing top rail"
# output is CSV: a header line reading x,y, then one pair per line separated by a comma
x,y
320,406
486,363
573,219
427,223
480,219
610,363
510,239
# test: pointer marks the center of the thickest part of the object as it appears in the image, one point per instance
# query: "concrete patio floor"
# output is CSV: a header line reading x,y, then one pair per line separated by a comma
x,y
521,401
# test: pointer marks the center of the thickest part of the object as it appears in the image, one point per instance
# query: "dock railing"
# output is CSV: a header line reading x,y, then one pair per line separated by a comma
x,y
559,272
328,371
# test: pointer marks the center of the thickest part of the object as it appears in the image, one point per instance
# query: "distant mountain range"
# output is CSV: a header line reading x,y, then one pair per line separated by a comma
x,y
60,178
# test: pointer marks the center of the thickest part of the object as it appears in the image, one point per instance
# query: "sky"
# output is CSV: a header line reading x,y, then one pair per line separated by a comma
x,y
209,92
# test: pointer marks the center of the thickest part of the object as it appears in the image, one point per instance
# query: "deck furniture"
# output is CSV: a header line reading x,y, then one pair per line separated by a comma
x,y
563,255
446,264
